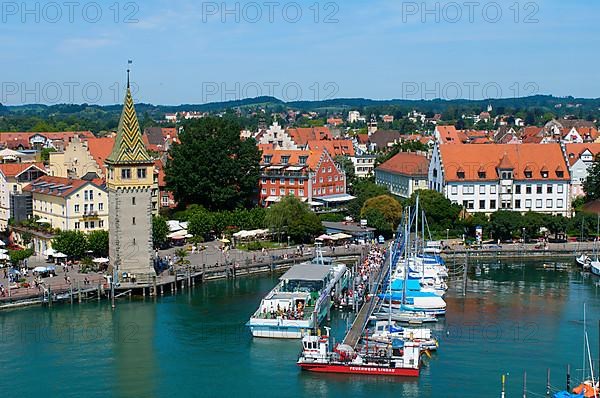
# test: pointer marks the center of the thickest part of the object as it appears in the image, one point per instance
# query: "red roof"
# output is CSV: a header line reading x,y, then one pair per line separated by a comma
x,y
450,135
302,135
574,151
334,147
15,169
100,148
406,163
312,157
473,159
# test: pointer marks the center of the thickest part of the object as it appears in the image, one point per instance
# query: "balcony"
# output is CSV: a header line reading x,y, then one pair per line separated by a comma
x,y
90,214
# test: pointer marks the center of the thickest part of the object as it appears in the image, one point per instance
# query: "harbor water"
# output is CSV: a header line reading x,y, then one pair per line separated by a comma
x,y
513,318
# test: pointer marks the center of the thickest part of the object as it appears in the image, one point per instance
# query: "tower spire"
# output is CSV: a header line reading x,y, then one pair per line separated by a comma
x,y
129,62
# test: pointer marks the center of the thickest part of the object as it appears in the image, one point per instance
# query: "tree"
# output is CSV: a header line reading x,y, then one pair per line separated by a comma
x,y
441,213
45,154
376,219
591,185
504,224
294,218
71,243
348,166
364,190
212,166
389,208
97,242
17,256
160,230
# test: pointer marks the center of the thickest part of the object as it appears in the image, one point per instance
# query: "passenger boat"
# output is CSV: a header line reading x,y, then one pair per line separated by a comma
x,y
300,301
398,359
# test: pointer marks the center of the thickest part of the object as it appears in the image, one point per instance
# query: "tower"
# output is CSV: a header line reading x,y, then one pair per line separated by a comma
x,y
372,126
130,178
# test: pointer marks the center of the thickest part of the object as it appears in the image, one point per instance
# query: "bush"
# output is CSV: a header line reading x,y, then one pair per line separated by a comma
x,y
254,246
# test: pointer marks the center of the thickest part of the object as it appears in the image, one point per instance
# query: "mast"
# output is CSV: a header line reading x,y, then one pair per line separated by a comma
x,y
406,254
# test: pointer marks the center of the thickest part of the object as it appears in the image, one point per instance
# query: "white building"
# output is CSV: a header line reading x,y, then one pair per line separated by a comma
x,y
353,116
403,174
580,157
486,178
277,136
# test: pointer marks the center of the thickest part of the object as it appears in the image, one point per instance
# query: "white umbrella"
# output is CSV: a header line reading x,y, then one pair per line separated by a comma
x,y
3,251
100,260
189,236
59,255
43,221
49,252
40,269
2,243
4,256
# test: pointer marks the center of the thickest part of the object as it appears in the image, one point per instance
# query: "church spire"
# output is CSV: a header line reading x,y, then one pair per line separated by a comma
x,y
129,146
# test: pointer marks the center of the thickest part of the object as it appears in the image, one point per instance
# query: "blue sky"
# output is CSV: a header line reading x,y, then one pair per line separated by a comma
x,y
195,52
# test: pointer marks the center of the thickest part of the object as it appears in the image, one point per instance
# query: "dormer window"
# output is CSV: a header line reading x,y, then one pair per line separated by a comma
x,y
528,174
303,160
268,159
481,174
285,159
560,173
460,174
544,174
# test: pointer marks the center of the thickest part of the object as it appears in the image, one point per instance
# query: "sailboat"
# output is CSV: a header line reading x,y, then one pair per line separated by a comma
x,y
583,260
595,264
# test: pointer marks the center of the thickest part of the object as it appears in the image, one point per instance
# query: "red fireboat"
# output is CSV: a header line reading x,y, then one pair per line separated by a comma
x,y
400,358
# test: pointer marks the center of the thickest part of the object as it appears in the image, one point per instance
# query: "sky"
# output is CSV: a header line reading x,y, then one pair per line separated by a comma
x,y
186,51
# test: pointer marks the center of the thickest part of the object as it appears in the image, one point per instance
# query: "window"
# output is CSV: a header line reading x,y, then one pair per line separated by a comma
x,y
91,207
538,188
292,192
320,179
282,191
141,173
125,174
517,204
493,189
86,225
559,203
292,181
133,200
272,191
528,203
538,203
528,174
482,204
549,203
285,159
85,195
101,224
282,180
303,160
560,173
85,208
549,188
329,179
528,189
92,224
264,180
482,189
454,189
267,158
468,189
133,220
100,206
460,174
264,191
517,189
481,174
544,174
77,224
559,188
272,181
301,192
76,208
492,204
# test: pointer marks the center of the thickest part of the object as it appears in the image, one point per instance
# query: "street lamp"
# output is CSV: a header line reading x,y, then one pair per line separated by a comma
x,y
447,232
288,241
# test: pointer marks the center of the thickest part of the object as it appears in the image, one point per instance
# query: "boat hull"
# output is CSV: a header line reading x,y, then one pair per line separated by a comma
x,y
359,369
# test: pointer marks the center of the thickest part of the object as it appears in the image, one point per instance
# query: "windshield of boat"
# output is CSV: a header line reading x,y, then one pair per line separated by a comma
x,y
293,286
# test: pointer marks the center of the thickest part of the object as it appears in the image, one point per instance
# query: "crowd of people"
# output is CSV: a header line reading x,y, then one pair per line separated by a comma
x,y
367,268
292,313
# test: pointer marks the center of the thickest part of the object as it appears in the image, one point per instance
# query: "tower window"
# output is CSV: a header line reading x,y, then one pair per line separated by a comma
x,y
141,173
133,220
126,174
133,201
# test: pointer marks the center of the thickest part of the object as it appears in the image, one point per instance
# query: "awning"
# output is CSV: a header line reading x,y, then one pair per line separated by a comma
x,y
337,198
294,168
313,203
324,237
273,199
340,235
43,221
59,255
49,252
178,234
100,260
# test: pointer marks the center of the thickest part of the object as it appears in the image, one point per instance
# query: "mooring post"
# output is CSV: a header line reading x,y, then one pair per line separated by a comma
x,y
548,383
49,296
568,377
79,291
71,293
525,384
99,292
154,283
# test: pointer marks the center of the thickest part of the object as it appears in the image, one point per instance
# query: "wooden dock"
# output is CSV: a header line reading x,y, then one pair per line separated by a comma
x,y
366,310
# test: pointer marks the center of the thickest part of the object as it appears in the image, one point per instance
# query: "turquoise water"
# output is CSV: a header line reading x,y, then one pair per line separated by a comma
x,y
513,318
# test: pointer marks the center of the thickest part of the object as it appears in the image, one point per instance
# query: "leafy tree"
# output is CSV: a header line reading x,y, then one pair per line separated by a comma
x,y
97,242
591,185
200,223
45,154
387,206
17,256
348,167
294,218
71,243
182,259
376,219
364,190
212,166
504,224
160,230
441,213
